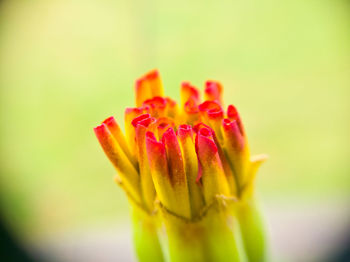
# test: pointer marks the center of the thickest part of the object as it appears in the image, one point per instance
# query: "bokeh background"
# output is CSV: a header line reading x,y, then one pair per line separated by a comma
x,y
67,65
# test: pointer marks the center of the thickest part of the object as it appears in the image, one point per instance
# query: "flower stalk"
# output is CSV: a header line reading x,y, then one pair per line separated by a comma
x,y
188,174
146,242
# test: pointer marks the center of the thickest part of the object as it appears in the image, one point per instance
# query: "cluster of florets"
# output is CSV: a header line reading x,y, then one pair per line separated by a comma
x,y
184,156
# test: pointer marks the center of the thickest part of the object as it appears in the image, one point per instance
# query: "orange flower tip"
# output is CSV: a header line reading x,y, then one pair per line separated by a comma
x,y
165,120
148,86
134,110
143,120
162,128
232,126
189,90
110,120
213,109
170,140
111,124
190,106
209,105
155,102
213,90
153,146
151,75
215,114
101,131
234,135
186,85
199,126
150,136
103,135
232,112
184,131
170,102
162,124
211,85
174,156
205,142
206,132
227,123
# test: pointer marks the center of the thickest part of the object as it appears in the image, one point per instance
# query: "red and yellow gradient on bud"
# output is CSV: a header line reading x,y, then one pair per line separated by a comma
x,y
180,158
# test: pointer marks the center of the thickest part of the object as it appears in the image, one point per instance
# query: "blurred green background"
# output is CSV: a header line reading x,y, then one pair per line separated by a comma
x,y
67,65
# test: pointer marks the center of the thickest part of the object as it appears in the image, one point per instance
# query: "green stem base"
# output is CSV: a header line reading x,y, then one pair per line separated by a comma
x,y
145,236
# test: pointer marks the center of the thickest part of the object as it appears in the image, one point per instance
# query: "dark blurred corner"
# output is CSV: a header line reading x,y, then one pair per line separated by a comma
x,y
343,252
10,249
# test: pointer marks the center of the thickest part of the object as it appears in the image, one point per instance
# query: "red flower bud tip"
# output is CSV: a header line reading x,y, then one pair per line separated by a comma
x,y
236,150
118,135
212,109
153,145
185,136
221,155
205,142
174,156
213,91
177,171
233,133
189,91
141,124
134,111
144,120
200,125
233,114
213,176
126,170
212,114
191,107
162,128
185,131
155,102
209,105
148,86
163,124
155,106
156,155
191,112
171,187
152,75
130,114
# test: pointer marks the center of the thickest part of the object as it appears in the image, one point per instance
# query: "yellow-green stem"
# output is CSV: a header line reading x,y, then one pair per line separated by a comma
x,y
210,238
252,230
146,240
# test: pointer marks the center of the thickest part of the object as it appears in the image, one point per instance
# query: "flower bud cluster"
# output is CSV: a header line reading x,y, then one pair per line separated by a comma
x,y
183,156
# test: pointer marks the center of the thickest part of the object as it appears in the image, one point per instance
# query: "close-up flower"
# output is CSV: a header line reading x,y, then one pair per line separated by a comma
x,y
103,160
188,174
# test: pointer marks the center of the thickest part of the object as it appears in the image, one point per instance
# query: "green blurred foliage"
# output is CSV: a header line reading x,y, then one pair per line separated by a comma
x,y
67,65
